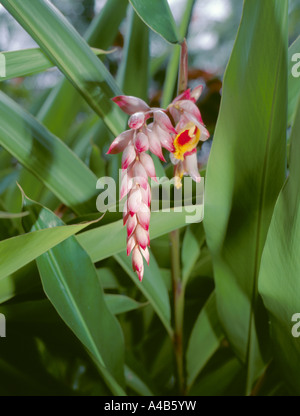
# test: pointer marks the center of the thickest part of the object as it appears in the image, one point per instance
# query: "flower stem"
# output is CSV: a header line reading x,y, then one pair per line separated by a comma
x,y
178,304
183,69
178,289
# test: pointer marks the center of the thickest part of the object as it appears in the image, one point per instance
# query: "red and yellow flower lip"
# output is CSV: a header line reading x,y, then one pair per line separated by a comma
x,y
186,141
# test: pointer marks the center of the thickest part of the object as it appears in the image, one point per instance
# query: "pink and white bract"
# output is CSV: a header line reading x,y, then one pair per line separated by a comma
x,y
178,130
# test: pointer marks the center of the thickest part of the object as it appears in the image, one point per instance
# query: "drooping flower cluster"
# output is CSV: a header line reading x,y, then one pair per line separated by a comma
x,y
151,129
190,130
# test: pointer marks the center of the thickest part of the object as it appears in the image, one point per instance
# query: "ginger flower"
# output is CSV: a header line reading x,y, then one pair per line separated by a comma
x,y
190,130
151,129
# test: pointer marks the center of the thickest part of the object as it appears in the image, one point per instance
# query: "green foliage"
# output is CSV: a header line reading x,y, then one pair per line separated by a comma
x,y
279,274
293,83
245,174
29,62
213,315
157,15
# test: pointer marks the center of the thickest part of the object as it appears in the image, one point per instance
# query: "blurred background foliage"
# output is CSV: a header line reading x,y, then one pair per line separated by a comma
x,y
210,39
211,36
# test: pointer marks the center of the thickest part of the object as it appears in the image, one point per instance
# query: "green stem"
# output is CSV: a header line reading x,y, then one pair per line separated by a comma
x,y
178,302
178,288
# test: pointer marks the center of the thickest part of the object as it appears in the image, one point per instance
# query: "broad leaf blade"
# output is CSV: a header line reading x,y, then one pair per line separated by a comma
x,y
133,74
118,304
189,254
22,282
71,283
136,383
245,173
280,268
61,105
18,251
205,339
152,287
158,16
28,62
46,157
110,239
71,54
294,81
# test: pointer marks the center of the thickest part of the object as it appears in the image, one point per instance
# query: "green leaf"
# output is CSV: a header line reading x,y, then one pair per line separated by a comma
x,y
30,61
280,268
105,26
62,104
189,254
118,304
133,74
8,177
18,251
245,173
136,383
158,16
96,162
71,284
107,278
152,287
23,282
46,157
294,81
223,376
64,101
6,215
110,239
205,339
173,65
72,55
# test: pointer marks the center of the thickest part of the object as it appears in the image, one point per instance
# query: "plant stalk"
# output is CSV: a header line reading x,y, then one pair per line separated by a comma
x,y
178,302
178,289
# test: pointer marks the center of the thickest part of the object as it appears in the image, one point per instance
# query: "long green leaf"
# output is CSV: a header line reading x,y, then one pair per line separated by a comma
x,y
152,287
133,74
61,106
18,251
71,283
189,254
6,215
110,239
63,103
28,62
118,304
280,268
294,81
245,173
136,383
172,69
46,157
158,16
205,339
22,282
71,54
